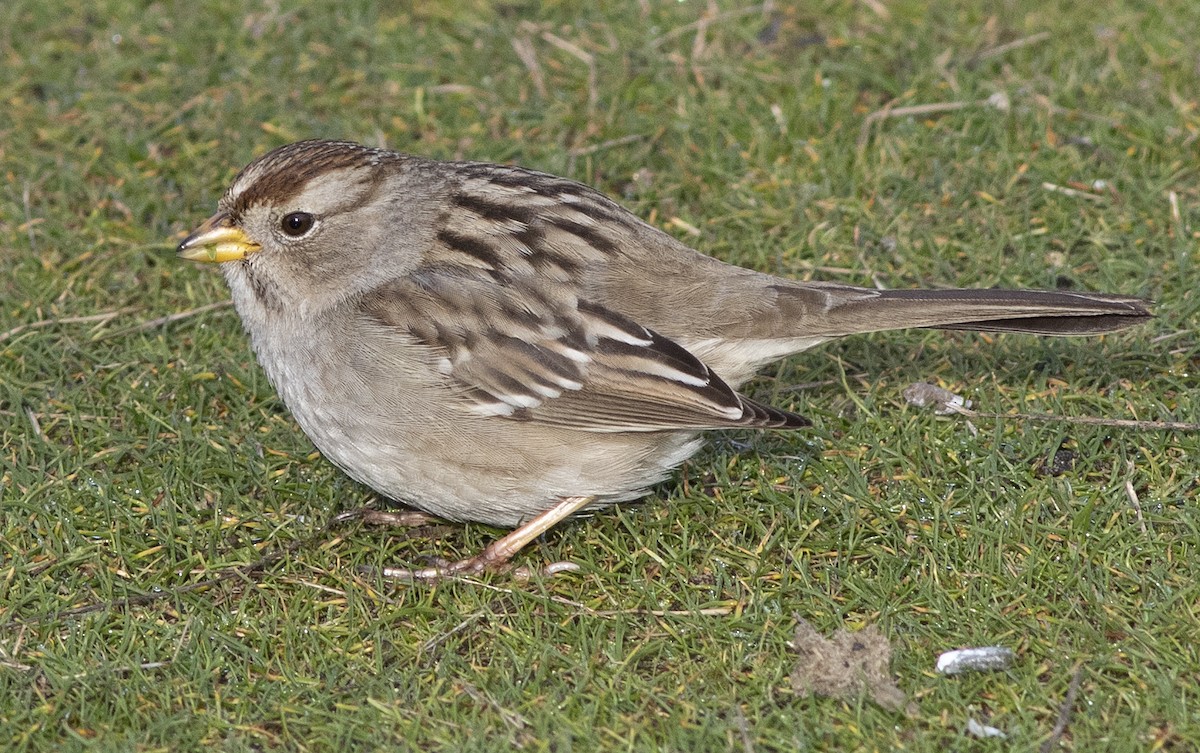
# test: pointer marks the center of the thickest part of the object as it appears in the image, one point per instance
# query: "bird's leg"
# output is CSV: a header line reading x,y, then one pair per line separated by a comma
x,y
495,557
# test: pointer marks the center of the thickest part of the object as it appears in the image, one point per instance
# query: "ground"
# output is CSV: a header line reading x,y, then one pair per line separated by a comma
x,y
168,576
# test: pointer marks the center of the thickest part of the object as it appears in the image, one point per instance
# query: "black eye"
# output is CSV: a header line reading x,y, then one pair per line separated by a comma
x,y
297,224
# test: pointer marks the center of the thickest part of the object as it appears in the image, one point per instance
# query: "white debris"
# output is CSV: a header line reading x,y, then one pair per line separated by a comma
x,y
982,730
984,659
1000,101
943,401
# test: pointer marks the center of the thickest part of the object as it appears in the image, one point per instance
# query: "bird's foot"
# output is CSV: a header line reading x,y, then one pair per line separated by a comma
x,y
400,518
395,518
484,562
495,558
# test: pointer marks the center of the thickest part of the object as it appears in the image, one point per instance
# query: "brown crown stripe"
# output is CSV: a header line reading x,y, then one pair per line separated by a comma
x,y
283,173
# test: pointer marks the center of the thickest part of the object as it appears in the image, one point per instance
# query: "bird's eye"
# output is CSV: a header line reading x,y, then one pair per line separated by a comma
x,y
297,224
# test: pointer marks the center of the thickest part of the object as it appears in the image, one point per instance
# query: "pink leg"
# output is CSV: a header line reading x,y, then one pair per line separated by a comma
x,y
495,557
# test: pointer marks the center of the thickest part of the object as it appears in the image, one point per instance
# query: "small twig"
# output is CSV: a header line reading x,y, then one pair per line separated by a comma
x,y
436,640
706,612
466,89
1118,423
206,97
102,318
320,587
37,427
15,665
182,640
1072,192
583,151
29,223
805,386
129,602
123,670
684,225
170,318
587,58
8,656
1137,505
709,20
514,720
248,572
1064,712
60,415
864,131
523,46
878,8
1054,109
1016,44
1133,500
699,43
1171,335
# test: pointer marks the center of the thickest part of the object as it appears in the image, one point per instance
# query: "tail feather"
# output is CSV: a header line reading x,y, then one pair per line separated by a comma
x,y
847,310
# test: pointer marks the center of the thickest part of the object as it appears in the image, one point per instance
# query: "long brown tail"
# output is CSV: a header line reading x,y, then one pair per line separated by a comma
x,y
835,310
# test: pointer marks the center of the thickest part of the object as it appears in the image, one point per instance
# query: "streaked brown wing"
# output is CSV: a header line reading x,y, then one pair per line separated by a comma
x,y
501,311
521,355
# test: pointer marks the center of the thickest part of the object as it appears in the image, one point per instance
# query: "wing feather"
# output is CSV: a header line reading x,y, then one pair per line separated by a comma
x,y
513,338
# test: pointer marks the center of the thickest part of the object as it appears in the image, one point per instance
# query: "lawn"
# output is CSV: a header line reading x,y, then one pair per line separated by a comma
x,y
171,574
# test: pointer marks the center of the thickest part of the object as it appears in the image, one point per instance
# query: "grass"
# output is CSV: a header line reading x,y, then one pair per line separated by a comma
x,y
140,461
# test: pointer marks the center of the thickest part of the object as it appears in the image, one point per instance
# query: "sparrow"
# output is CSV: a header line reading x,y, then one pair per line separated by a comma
x,y
489,343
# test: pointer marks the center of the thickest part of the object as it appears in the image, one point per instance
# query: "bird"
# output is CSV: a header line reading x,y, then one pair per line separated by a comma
x,y
489,343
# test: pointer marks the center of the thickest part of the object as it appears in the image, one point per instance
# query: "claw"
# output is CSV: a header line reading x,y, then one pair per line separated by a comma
x,y
401,518
495,557
484,562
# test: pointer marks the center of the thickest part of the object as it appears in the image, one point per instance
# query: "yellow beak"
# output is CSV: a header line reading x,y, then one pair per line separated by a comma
x,y
217,240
